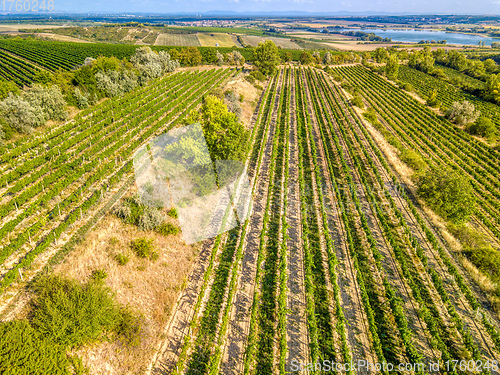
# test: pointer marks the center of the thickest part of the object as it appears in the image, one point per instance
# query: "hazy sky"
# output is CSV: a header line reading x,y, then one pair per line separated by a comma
x,y
171,6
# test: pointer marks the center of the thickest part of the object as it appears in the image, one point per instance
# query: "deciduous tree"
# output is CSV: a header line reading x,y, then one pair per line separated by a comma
x,y
327,59
483,127
306,58
447,192
381,55
226,137
392,67
266,57
462,113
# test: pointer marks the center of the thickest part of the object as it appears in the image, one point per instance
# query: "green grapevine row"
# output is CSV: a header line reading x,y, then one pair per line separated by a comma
x,y
103,169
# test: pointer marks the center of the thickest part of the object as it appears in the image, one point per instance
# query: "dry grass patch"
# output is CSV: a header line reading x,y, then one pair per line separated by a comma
x,y
240,86
148,287
61,38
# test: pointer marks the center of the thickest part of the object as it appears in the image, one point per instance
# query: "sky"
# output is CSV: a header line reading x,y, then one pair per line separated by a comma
x,y
176,6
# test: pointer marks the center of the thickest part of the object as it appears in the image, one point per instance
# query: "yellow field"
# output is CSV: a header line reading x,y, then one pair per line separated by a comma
x,y
62,38
177,40
211,39
5,28
280,42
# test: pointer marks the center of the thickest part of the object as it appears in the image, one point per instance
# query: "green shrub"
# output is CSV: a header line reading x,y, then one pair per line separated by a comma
x,y
467,236
337,78
371,115
173,213
478,250
393,141
129,327
405,86
129,210
447,192
347,86
132,211
73,314
122,210
483,127
143,247
65,314
24,350
257,74
408,87
167,229
413,159
150,219
432,99
6,130
154,256
121,259
250,79
487,259
99,274
358,101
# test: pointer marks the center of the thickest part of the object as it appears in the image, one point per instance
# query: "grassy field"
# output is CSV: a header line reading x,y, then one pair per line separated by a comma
x,y
280,42
210,40
9,28
62,38
307,44
177,40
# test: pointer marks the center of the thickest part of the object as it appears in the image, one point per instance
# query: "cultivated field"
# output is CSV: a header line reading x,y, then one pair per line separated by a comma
x,y
339,259
14,29
210,40
55,185
443,143
62,38
177,40
16,69
280,42
336,260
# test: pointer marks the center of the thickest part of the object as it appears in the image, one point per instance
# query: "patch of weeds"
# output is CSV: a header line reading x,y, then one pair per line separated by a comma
x,y
143,247
114,241
132,211
128,284
99,274
167,229
129,327
141,267
154,256
121,259
173,213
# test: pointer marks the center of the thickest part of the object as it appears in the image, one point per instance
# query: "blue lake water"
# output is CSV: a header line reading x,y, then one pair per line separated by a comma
x,y
413,35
